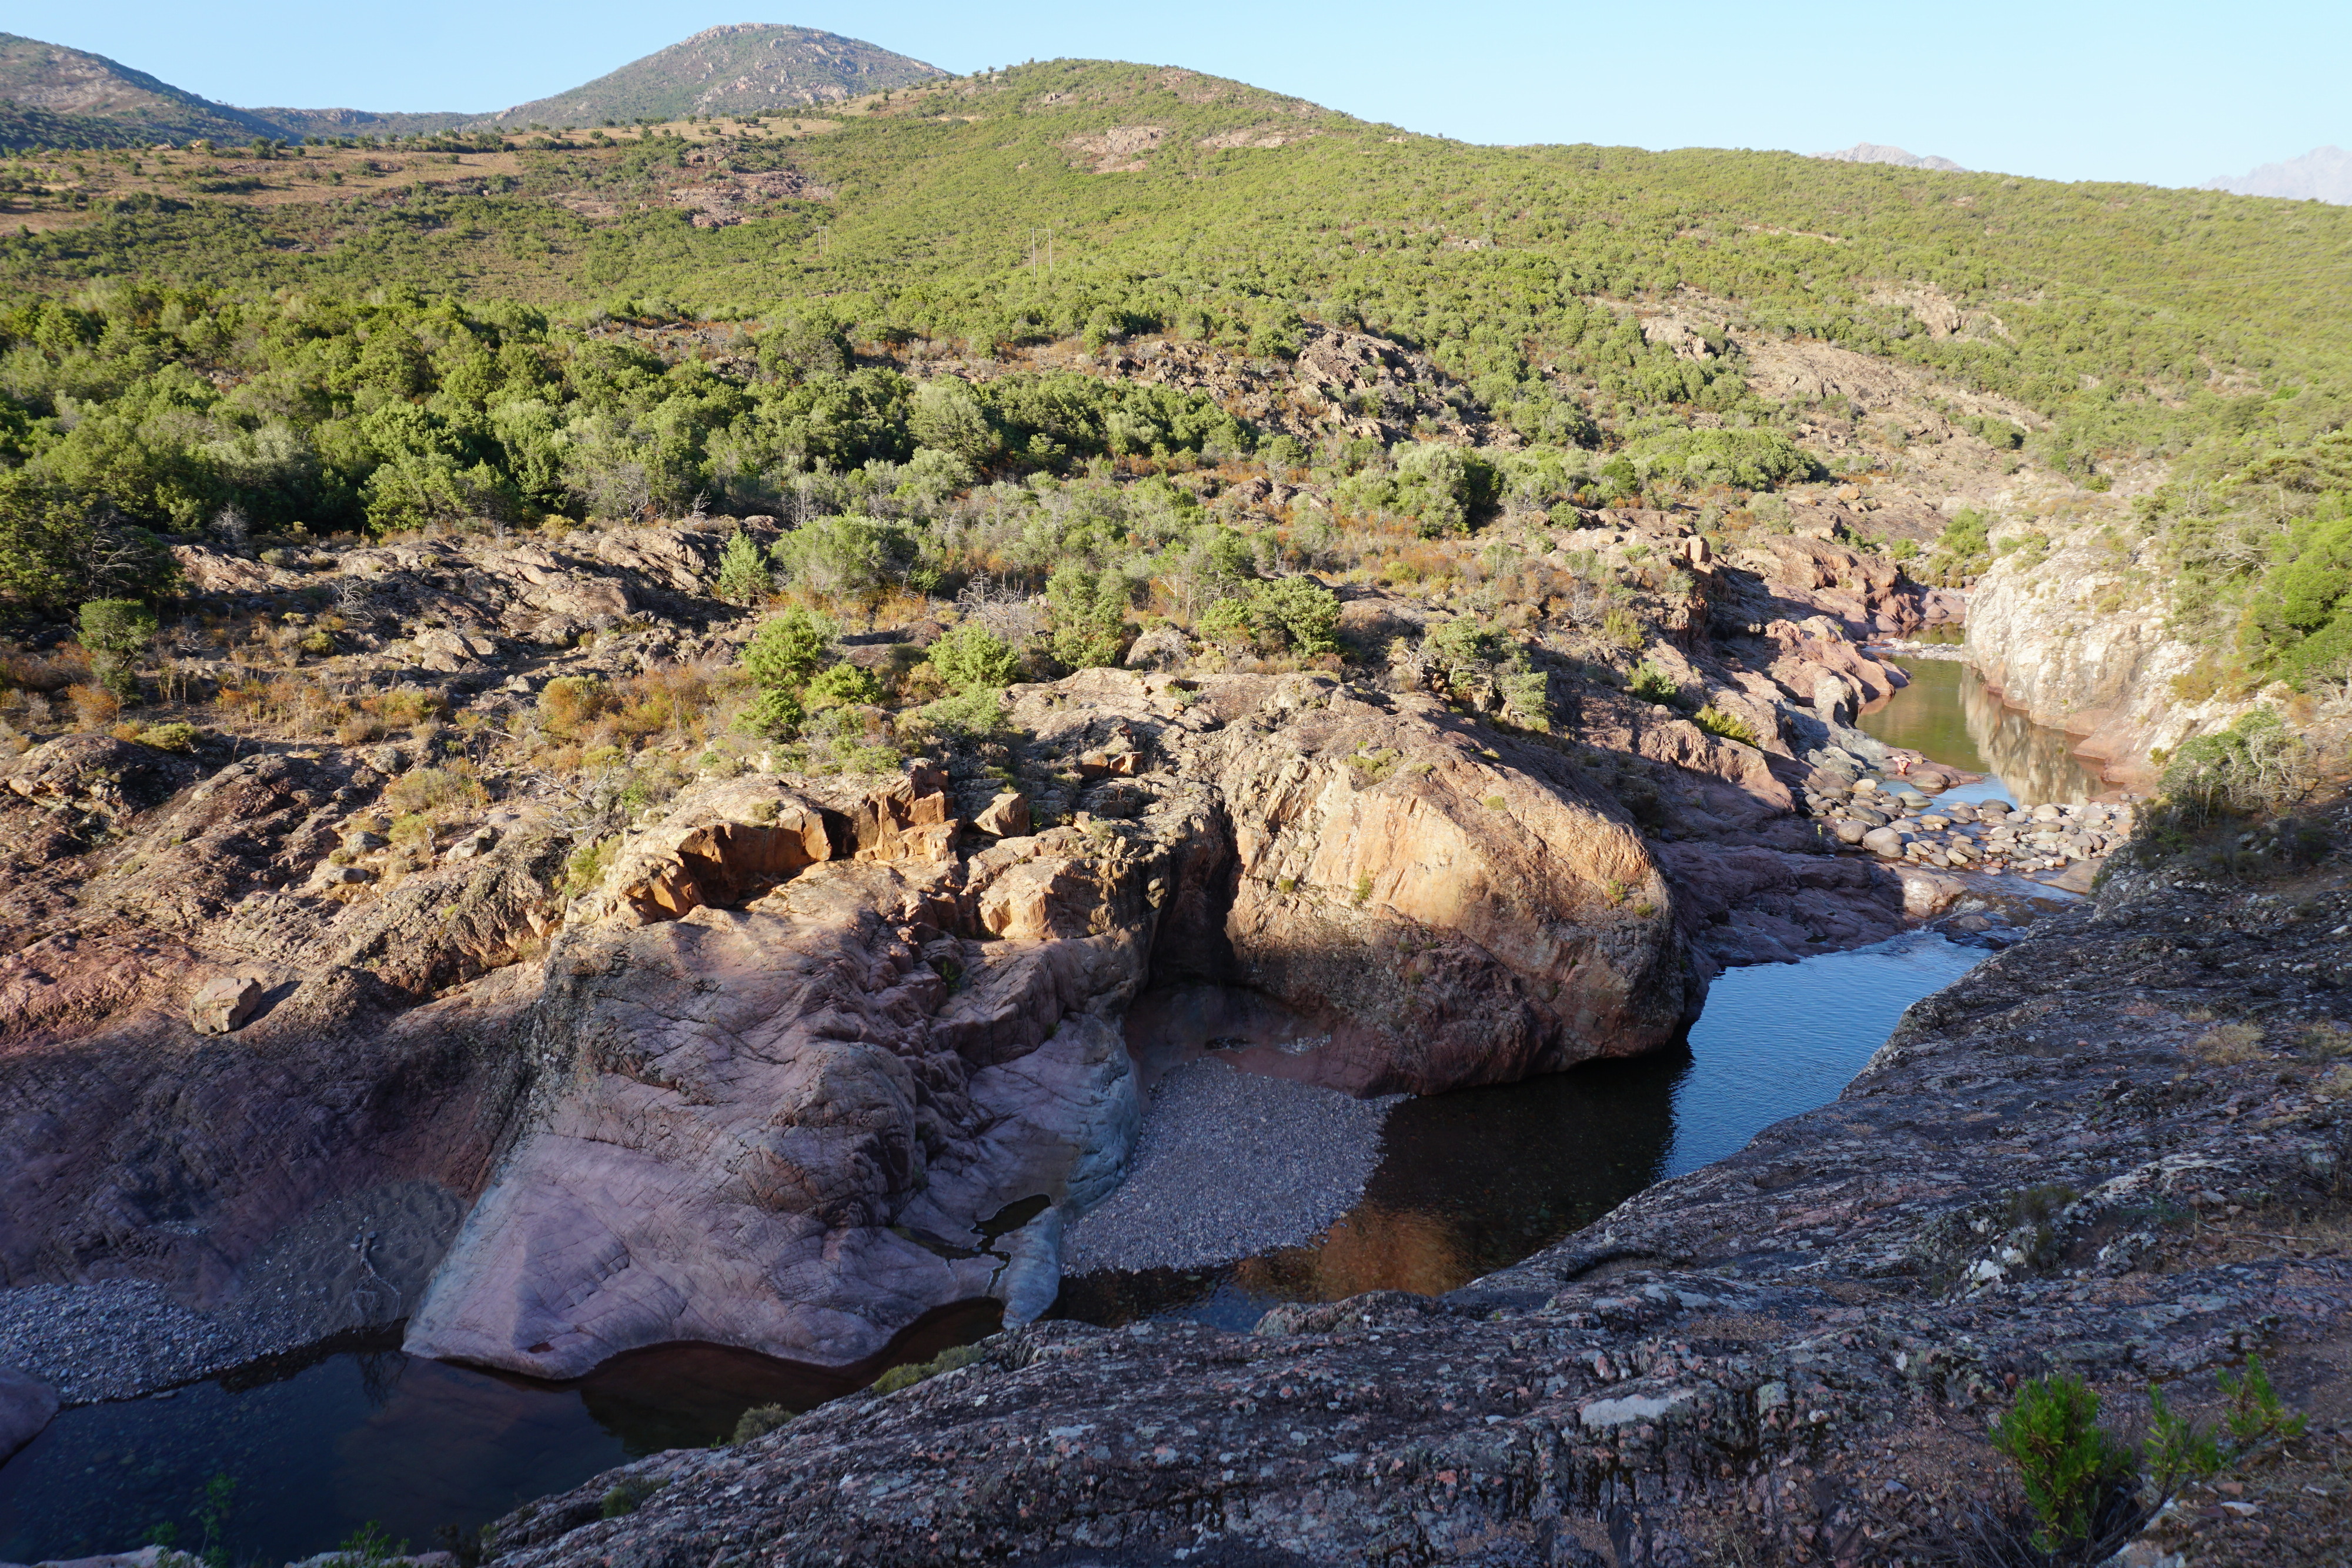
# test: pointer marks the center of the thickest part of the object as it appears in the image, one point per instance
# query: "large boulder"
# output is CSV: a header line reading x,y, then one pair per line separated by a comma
x,y
25,1407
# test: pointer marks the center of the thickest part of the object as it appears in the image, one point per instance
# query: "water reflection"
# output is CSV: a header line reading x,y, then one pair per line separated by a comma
x,y
1948,716
1476,1180
321,1444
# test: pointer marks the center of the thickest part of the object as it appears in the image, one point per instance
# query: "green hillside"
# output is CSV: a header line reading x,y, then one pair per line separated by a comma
x,y
743,68
1089,201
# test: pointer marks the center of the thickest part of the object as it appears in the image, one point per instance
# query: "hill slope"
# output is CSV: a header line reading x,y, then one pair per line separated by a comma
x,y
52,79
739,69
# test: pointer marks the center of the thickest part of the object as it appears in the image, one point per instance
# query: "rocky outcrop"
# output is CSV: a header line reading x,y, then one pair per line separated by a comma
x,y
2055,1165
2074,641
27,1404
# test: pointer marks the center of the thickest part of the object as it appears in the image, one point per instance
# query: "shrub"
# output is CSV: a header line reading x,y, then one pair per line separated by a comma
x,y
94,707
1622,627
1089,611
626,1496
569,702
2257,764
2230,1045
948,1360
2070,1467
175,736
787,648
971,658
587,865
422,792
2255,1414
743,574
970,715
1728,726
1651,684
759,1421
840,686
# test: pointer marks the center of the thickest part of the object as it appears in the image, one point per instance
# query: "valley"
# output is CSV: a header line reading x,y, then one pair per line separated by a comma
x,y
1080,815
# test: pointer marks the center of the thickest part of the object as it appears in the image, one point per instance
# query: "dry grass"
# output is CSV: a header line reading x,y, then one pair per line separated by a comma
x,y
2230,1045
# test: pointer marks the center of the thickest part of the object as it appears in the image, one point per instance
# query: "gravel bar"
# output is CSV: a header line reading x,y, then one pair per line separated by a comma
x,y
1231,1164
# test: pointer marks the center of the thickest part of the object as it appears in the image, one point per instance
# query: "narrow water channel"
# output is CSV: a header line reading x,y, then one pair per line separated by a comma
x,y
1466,1183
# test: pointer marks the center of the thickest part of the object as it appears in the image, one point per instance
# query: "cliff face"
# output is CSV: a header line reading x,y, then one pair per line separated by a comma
x,y
2079,641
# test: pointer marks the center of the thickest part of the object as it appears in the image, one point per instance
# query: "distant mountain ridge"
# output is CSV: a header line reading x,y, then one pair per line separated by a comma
x,y
2322,174
53,95
1874,152
744,67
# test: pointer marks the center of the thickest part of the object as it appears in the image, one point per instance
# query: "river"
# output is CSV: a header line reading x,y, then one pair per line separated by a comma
x,y
1466,1183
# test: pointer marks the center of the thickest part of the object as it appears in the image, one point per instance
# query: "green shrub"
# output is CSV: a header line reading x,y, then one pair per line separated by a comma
x,y
743,574
2069,1465
970,715
787,648
1651,684
972,658
2256,1416
626,1496
1728,726
759,1421
116,631
176,735
948,1360
840,686
587,865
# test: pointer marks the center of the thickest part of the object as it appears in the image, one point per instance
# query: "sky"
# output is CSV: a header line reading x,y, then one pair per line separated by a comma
x,y
2158,91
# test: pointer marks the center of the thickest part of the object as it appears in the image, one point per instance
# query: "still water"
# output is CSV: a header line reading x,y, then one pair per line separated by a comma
x,y
1947,715
1476,1180
318,1446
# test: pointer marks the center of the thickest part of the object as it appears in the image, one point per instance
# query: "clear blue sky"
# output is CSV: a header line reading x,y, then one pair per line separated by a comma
x,y
2160,92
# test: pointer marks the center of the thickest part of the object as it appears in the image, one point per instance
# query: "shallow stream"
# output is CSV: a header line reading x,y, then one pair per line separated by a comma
x,y
1466,1183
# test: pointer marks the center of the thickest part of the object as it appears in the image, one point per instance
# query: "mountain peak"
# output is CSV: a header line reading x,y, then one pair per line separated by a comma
x,y
2322,174
1873,152
736,68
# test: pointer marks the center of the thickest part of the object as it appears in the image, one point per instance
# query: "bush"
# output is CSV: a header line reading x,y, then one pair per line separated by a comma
x,y
1651,684
970,715
948,1360
743,574
840,686
626,1496
759,1421
175,736
2257,764
2072,1468
116,631
1728,726
1089,611
58,548
972,658
569,702
1747,459
787,648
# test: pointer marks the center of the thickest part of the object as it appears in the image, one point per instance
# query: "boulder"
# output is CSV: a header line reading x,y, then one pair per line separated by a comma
x,y
1884,841
1005,817
1161,648
26,1405
224,1005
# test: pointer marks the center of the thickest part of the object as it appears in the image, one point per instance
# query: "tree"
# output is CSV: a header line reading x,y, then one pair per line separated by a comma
x,y
57,548
116,631
743,574
787,649
1089,615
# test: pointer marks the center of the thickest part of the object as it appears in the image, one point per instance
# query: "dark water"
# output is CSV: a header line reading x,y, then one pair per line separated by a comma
x,y
1947,715
1476,1180
319,1447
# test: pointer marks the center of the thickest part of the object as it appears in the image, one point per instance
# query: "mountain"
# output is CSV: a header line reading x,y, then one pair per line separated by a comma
x,y
741,68
1873,152
88,96
2322,174
51,96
